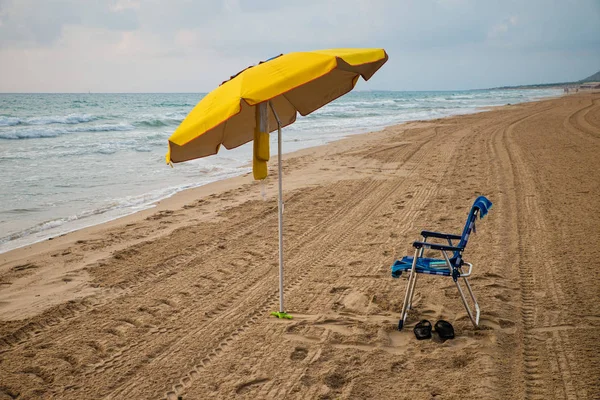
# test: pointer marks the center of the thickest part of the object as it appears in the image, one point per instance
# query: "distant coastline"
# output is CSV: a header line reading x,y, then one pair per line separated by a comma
x,y
559,85
562,85
591,82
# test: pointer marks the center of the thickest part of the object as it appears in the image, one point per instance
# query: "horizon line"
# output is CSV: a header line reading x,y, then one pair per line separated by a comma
x,y
531,86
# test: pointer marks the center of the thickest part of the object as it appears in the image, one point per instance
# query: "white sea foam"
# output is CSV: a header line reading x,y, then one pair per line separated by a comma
x,y
70,119
51,132
9,121
114,209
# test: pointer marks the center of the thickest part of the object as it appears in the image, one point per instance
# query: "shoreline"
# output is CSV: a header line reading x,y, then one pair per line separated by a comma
x,y
177,201
29,239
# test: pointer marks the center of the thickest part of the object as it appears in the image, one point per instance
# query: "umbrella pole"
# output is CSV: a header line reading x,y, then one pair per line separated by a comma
x,y
280,207
281,313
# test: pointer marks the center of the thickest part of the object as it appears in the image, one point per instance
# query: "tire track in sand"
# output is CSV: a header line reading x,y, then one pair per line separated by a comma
x,y
69,312
266,276
54,318
234,291
531,219
376,192
577,124
322,246
273,389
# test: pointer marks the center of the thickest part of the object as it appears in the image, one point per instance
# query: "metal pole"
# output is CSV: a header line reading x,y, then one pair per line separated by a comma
x,y
280,208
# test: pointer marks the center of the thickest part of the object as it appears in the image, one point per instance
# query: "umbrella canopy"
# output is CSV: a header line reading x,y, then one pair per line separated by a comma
x,y
298,82
238,110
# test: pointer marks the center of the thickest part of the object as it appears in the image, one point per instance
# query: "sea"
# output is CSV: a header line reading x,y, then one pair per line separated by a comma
x,y
69,161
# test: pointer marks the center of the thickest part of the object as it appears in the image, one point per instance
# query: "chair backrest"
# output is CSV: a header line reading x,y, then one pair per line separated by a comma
x,y
481,206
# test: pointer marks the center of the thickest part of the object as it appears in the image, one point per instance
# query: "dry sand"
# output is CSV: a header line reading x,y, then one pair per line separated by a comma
x,y
175,301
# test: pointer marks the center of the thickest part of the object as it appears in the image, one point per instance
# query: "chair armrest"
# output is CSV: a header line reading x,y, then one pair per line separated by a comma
x,y
440,235
435,246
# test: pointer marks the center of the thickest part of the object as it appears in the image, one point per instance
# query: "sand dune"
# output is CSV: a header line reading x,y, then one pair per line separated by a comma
x,y
175,301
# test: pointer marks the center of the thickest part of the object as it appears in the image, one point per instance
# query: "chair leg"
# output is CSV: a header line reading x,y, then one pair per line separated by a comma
x,y
410,287
474,320
477,311
412,292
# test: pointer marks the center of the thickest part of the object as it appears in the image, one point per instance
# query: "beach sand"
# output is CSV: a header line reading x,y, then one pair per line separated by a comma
x,y
175,301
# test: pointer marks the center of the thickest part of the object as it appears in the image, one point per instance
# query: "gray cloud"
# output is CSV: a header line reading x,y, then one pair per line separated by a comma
x,y
184,45
40,23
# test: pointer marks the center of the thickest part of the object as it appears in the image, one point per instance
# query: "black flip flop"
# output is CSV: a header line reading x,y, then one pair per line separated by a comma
x,y
444,329
423,330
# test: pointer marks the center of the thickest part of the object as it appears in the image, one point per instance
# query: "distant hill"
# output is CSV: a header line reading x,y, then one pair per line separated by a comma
x,y
555,85
592,78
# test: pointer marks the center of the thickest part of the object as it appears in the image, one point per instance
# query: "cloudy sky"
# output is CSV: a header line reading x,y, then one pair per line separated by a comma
x,y
193,45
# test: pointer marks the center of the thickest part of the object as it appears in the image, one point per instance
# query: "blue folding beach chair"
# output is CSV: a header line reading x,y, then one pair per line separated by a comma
x,y
447,266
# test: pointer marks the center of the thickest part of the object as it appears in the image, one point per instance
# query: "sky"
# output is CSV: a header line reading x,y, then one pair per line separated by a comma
x,y
193,45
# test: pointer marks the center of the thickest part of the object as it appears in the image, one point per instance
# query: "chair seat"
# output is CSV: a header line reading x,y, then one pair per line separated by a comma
x,y
431,266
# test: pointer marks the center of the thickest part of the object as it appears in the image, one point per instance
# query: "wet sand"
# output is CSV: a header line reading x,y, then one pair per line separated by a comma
x,y
175,301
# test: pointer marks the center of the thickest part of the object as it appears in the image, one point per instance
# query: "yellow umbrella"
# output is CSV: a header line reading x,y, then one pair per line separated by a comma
x,y
238,110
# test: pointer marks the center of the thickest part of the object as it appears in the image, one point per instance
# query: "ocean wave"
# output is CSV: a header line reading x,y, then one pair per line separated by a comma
x,y
460,97
155,136
21,210
35,229
364,103
58,222
154,121
117,208
70,119
175,104
9,121
104,151
345,114
28,133
157,123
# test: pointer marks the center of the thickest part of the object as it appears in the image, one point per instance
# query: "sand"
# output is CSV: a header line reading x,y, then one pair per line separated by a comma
x,y
175,301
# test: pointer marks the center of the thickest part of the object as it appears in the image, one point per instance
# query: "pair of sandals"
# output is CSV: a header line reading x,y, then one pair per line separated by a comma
x,y
443,328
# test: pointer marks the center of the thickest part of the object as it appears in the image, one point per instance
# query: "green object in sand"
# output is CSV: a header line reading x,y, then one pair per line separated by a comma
x,y
281,315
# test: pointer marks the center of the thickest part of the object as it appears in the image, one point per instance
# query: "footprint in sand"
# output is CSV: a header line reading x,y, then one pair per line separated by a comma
x,y
299,354
335,380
